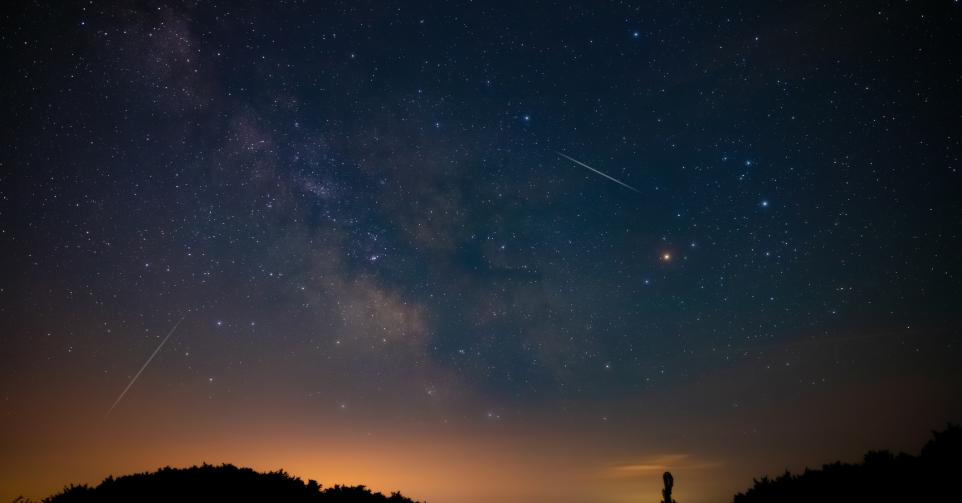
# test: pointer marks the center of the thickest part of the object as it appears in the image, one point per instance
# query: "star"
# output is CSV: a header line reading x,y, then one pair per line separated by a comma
x,y
353,182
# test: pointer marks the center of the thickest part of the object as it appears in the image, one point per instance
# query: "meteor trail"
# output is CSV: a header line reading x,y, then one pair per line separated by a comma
x,y
576,161
132,381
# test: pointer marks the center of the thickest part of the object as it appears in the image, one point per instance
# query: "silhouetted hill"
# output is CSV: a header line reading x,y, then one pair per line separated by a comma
x,y
882,476
209,483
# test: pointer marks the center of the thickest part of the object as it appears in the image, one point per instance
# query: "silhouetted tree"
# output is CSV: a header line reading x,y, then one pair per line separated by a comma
x,y
666,492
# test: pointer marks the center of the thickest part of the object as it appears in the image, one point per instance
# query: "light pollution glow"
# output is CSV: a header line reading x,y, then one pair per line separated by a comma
x,y
579,458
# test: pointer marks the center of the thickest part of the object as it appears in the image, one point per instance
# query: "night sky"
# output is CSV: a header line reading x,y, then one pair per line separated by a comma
x,y
511,251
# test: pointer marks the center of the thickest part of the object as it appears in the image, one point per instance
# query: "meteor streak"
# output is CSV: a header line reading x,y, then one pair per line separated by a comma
x,y
576,161
132,381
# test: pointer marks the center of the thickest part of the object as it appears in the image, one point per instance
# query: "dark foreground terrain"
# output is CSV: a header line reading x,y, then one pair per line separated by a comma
x,y
934,475
209,483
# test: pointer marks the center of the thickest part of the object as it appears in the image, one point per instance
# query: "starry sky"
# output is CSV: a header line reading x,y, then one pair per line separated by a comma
x,y
386,234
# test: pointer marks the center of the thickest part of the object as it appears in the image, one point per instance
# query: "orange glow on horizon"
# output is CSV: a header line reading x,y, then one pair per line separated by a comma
x,y
465,464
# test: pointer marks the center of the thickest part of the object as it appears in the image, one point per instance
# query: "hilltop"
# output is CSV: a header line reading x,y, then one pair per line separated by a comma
x,y
880,477
217,483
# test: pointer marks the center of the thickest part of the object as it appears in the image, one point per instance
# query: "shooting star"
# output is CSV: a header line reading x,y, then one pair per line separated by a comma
x,y
132,381
576,161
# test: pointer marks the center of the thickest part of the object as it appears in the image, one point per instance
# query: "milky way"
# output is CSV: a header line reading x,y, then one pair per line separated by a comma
x,y
393,279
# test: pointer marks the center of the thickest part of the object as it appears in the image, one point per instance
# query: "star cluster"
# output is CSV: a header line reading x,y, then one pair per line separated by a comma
x,y
360,210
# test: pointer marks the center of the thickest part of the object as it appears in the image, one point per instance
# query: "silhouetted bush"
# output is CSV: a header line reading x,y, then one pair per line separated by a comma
x,y
881,477
209,483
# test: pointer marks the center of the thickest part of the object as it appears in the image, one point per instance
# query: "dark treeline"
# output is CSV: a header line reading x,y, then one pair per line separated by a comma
x,y
217,483
934,475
